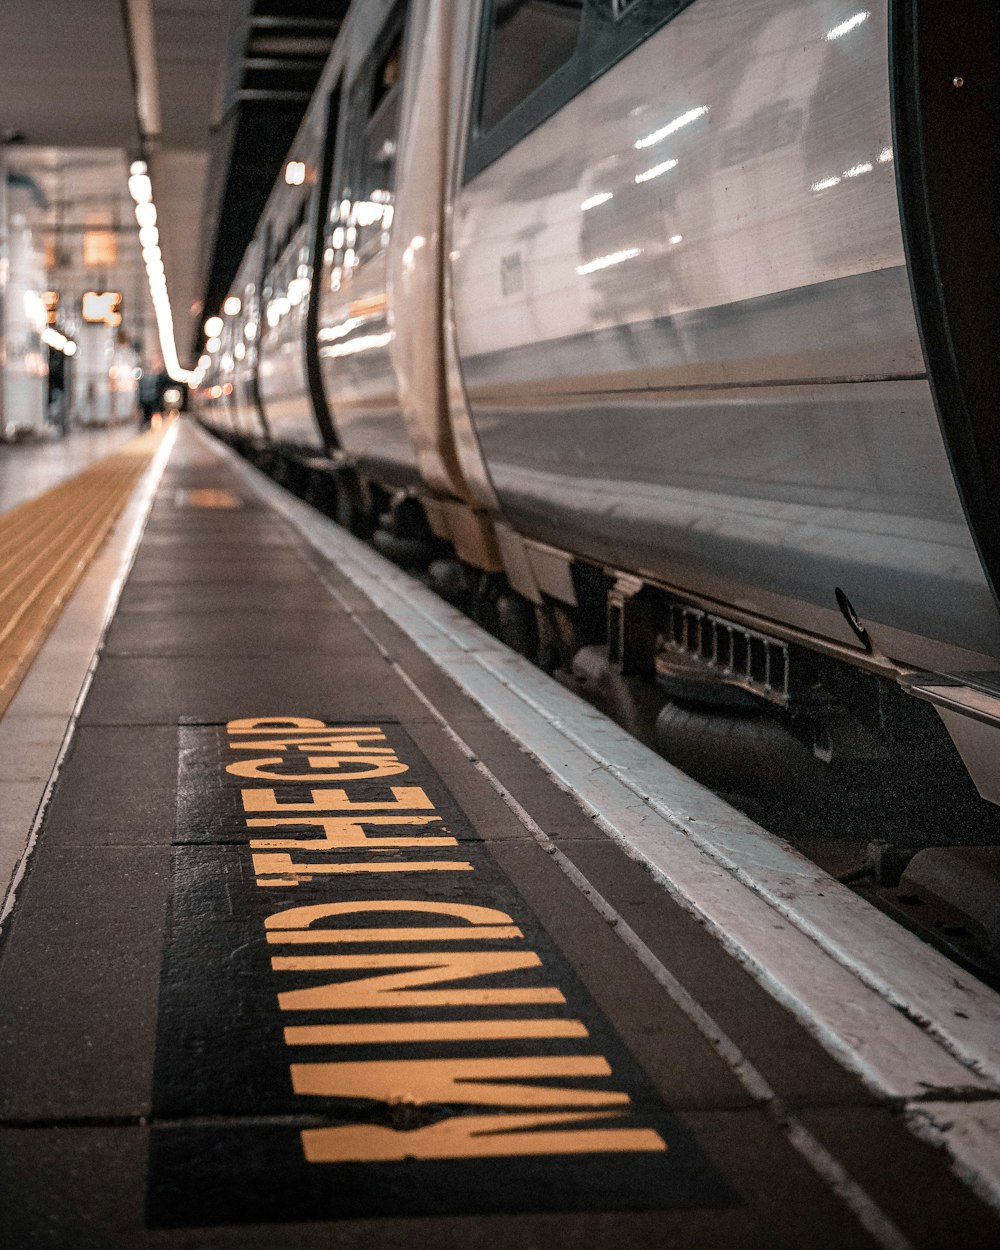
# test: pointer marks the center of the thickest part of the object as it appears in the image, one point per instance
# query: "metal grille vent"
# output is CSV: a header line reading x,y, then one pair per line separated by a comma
x,y
739,656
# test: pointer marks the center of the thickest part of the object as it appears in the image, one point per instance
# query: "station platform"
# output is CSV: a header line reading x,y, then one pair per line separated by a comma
x,y
27,469
339,925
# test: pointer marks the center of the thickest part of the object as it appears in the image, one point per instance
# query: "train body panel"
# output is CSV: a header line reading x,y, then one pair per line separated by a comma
x,y
246,333
284,388
624,300
355,329
416,256
687,336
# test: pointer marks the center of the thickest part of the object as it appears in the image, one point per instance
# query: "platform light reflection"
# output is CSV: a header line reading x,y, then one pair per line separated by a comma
x,y
605,262
648,174
845,28
685,119
364,343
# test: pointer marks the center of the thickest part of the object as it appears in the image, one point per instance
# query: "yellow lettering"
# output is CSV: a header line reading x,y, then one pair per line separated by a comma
x,y
294,923
396,989
341,831
310,742
408,797
310,936
302,917
282,866
493,1082
403,1031
380,767
480,1137
349,740
270,723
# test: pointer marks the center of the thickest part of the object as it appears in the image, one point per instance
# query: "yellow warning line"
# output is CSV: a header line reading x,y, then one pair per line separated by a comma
x,y
47,543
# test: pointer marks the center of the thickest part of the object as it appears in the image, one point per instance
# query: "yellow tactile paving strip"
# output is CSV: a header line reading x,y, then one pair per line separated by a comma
x,y
47,543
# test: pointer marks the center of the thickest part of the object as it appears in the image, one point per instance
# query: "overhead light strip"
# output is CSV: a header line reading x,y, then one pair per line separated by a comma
x,y
141,190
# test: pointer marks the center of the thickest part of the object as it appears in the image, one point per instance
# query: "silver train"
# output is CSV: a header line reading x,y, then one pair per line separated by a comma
x,y
668,316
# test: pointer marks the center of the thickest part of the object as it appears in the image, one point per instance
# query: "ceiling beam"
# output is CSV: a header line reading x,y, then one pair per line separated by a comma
x,y
138,16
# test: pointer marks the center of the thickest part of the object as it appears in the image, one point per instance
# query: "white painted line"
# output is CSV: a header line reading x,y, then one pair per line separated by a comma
x,y
968,1131
912,1025
54,688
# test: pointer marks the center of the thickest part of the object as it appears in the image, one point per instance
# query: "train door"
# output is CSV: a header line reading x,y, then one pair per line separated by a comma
x,y
947,145
353,328
284,388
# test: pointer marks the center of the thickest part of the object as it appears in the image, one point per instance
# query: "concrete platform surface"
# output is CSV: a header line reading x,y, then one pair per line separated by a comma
x,y
288,970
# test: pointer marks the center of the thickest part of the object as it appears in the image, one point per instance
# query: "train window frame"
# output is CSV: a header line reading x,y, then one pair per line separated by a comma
x,y
364,104
609,31
280,248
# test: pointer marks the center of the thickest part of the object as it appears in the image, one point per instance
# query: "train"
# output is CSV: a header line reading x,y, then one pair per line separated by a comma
x,y
659,326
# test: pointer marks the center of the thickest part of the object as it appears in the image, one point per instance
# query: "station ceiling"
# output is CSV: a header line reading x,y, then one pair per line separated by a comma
x,y
233,77
276,53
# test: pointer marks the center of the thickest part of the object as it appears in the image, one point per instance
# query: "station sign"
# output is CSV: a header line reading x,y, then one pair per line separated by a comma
x,y
100,249
102,307
50,302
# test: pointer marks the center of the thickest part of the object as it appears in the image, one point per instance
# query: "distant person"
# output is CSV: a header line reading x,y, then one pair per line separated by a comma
x,y
150,397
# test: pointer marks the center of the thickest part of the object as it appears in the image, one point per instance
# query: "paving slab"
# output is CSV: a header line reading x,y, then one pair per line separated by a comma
x,y
287,969
229,631
118,785
273,569
163,598
151,691
79,975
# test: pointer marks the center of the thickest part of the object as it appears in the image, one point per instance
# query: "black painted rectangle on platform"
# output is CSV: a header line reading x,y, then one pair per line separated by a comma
x,y
226,1139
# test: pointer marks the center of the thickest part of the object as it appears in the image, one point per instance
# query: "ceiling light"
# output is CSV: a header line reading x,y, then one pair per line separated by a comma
x,y
140,188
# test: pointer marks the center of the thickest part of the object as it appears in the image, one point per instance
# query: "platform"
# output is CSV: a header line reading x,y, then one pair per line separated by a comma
x,y
314,947
28,468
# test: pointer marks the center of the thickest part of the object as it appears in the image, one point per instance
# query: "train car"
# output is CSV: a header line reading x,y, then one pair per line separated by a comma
x,y
665,317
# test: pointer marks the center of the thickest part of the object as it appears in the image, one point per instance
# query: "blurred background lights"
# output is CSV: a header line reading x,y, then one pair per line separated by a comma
x,y
140,188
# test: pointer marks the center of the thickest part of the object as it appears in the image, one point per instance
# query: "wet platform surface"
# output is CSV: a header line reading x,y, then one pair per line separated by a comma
x,y
287,970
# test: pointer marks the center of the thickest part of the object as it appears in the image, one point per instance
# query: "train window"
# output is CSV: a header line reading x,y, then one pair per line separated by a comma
x,y
536,55
527,42
361,212
377,174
